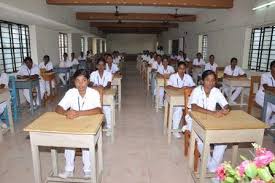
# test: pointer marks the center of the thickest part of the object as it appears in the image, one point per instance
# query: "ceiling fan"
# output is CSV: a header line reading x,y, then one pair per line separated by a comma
x,y
117,14
176,15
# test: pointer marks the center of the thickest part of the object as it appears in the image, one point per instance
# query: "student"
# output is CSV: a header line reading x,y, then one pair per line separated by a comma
x,y
211,65
267,84
153,58
165,71
179,81
180,56
233,71
74,61
81,57
64,63
185,58
155,67
198,63
48,66
30,71
204,99
4,83
79,101
116,57
103,79
110,66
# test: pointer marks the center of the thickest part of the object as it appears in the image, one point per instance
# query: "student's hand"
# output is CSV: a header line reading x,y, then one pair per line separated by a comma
x,y
218,114
225,111
71,114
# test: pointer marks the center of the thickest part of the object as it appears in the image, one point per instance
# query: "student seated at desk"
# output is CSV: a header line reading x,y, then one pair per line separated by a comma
x,y
116,57
164,71
65,63
81,57
79,101
204,99
74,61
267,84
4,83
31,71
211,65
48,67
155,66
110,66
179,81
198,63
153,57
233,71
103,79
182,57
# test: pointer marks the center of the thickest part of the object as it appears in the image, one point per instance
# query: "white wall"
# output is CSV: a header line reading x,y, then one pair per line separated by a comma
x,y
131,43
227,30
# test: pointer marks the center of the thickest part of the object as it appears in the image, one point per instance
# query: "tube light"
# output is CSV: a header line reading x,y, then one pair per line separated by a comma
x,y
264,5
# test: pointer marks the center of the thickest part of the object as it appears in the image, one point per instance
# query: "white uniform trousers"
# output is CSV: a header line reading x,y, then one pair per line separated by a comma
x,y
47,86
42,91
108,116
270,117
3,105
161,96
63,78
236,92
177,114
70,156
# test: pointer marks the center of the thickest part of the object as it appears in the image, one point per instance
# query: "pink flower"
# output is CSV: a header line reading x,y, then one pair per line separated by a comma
x,y
241,168
260,151
264,158
220,172
257,181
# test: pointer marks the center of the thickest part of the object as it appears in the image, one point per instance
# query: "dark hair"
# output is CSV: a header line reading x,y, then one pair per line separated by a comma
x,y
27,59
272,64
101,59
109,55
212,56
181,63
65,54
46,57
207,73
232,59
165,57
81,72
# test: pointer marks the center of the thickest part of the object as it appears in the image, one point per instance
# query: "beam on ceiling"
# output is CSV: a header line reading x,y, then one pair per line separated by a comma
x,y
133,25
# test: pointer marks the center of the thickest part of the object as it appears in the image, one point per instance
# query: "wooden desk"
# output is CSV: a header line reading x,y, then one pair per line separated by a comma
x,y
269,97
148,75
236,127
240,82
54,130
5,97
159,83
109,100
28,84
173,98
117,82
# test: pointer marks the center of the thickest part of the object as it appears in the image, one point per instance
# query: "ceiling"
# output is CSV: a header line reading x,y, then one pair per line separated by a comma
x,y
165,13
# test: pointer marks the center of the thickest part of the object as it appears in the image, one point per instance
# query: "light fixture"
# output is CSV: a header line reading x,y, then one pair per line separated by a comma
x,y
264,5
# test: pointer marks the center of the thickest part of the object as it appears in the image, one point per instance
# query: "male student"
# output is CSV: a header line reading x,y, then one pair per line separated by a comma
x,y
211,65
48,67
64,63
110,66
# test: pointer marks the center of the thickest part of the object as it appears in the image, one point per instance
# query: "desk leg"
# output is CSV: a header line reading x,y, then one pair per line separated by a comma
x,y
170,120
113,119
157,99
191,149
242,95
31,100
147,81
39,93
234,154
100,155
165,117
54,161
36,163
230,94
205,153
119,96
93,163
10,116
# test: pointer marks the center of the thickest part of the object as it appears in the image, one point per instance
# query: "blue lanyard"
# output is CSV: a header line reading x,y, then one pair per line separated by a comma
x,y
79,104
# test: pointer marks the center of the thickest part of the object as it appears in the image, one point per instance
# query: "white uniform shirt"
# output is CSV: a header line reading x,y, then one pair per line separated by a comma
x,y
213,67
73,100
66,64
74,61
236,72
155,65
181,59
116,60
198,63
113,68
4,80
168,70
199,98
267,79
151,61
176,81
25,71
81,58
97,80
48,67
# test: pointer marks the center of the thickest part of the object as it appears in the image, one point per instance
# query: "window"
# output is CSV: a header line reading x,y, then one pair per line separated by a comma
x,y
14,45
98,46
262,48
63,44
82,43
204,47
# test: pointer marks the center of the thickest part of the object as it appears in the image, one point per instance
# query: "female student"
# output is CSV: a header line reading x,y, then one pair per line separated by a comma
x,y
30,71
211,65
155,66
4,83
165,71
267,84
179,81
233,71
79,101
64,63
110,66
48,66
74,60
103,79
82,57
204,99
198,63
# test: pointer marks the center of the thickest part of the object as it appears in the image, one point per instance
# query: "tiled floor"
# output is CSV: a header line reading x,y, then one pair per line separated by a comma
x,y
139,154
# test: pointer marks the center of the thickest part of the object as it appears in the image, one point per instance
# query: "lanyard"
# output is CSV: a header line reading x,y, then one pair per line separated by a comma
x,y
98,80
79,104
29,71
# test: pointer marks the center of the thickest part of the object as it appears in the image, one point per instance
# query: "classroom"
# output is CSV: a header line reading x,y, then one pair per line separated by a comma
x,y
137,91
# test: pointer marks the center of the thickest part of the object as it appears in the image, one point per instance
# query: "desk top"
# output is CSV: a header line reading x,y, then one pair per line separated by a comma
x,y
237,81
4,94
117,76
51,122
110,91
172,92
235,120
26,80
